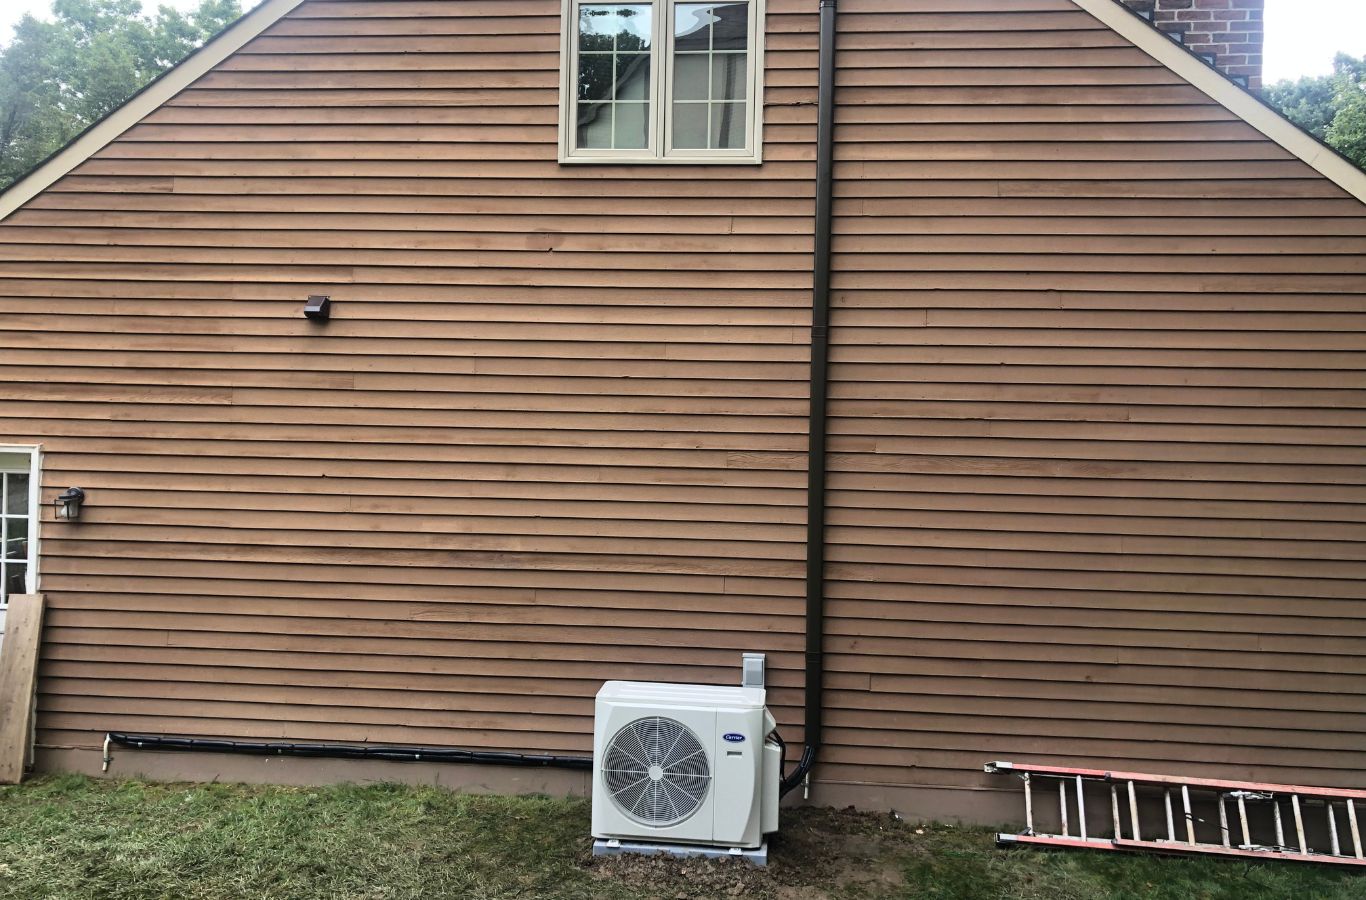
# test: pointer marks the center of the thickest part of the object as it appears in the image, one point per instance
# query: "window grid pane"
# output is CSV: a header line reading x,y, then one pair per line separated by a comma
x,y
728,126
16,494
11,580
729,75
16,538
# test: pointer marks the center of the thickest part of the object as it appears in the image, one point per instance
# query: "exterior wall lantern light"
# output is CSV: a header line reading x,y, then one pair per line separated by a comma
x,y
68,504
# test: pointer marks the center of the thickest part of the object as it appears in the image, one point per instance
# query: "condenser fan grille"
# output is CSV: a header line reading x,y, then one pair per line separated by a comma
x,y
656,771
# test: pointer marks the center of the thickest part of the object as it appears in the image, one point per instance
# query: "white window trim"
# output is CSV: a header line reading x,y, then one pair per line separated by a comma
x,y
661,94
35,457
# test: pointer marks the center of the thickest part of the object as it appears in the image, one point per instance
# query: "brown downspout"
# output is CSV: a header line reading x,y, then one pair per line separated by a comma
x,y
820,360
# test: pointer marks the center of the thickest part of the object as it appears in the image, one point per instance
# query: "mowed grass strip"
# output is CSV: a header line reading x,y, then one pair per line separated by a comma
x,y
72,837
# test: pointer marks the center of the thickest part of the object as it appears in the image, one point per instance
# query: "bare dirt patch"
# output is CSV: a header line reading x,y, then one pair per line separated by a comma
x,y
819,853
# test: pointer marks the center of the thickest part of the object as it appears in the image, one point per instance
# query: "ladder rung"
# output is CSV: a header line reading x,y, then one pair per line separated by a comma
x,y
1081,808
1171,825
1114,807
1299,824
1190,819
1133,813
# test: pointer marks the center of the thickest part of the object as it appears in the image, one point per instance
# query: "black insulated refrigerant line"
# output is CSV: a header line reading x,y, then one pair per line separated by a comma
x,y
820,364
342,751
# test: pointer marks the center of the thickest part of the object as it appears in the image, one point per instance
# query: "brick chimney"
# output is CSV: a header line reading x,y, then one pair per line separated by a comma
x,y
1228,32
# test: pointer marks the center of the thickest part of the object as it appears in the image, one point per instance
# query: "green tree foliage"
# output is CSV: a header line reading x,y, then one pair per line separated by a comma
x,y
58,77
1331,107
1347,133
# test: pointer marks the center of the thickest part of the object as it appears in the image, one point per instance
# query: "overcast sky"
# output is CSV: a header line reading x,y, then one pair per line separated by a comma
x,y
1302,35
12,11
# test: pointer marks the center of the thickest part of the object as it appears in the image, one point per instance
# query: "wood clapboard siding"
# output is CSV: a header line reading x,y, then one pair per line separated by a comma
x,y
1097,429
554,434
1096,486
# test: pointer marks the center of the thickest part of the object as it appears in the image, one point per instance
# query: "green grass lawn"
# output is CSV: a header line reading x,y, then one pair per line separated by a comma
x,y
71,837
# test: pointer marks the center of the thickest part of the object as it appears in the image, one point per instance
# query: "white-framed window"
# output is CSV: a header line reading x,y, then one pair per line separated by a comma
x,y
662,81
18,523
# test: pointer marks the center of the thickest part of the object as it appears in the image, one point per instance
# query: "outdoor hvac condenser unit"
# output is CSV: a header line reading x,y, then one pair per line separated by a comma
x,y
684,764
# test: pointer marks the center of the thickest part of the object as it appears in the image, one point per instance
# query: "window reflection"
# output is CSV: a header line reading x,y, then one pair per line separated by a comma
x,y
615,27
710,76
711,26
614,76
15,528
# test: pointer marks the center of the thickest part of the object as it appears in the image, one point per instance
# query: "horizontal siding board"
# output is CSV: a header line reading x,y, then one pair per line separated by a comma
x,y
1081,573
671,631
278,721
889,747
369,459
1084,673
399,650
473,603
458,675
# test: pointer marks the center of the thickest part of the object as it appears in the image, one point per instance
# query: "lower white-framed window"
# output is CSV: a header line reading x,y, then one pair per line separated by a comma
x,y
18,524
673,81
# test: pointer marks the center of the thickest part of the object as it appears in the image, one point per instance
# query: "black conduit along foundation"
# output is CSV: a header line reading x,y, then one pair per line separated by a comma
x,y
344,751
820,363
815,516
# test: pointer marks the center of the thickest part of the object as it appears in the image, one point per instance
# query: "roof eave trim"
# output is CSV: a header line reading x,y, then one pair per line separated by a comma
x,y
146,101
1240,102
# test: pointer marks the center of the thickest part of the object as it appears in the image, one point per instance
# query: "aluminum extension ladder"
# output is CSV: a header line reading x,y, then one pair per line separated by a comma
x,y
1258,806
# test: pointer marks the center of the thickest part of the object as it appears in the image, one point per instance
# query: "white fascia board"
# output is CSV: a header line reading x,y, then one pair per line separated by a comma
x,y
1221,90
101,134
